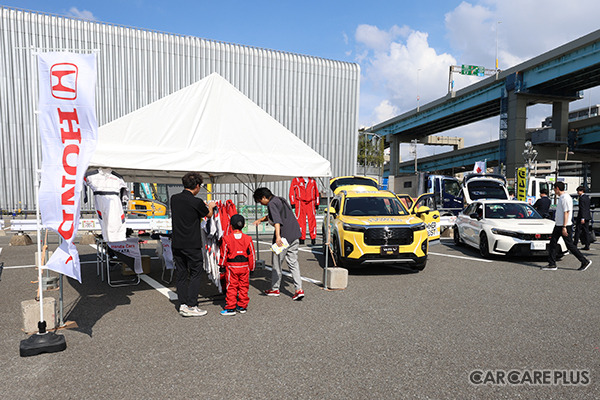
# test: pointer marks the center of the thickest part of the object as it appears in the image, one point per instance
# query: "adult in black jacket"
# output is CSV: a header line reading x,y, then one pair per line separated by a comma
x,y
187,212
542,205
582,222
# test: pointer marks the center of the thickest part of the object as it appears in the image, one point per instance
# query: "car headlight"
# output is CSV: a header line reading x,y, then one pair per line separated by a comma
x,y
353,228
503,232
418,227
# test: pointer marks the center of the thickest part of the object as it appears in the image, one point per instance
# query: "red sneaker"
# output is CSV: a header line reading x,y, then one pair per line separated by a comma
x,y
299,295
272,292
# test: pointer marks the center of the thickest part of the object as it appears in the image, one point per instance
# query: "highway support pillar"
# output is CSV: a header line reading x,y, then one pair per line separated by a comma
x,y
517,127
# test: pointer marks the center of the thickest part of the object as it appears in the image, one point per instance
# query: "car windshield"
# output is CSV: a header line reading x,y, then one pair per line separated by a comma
x,y
373,206
510,211
451,187
486,190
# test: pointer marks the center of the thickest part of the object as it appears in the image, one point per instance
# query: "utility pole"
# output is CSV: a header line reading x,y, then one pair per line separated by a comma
x,y
413,150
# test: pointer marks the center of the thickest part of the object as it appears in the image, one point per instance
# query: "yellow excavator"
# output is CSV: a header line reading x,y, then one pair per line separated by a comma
x,y
148,205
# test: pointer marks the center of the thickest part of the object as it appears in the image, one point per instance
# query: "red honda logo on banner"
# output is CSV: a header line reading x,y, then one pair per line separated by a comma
x,y
64,81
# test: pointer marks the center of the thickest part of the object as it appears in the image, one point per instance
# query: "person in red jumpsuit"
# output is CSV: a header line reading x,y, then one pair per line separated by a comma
x,y
237,256
304,197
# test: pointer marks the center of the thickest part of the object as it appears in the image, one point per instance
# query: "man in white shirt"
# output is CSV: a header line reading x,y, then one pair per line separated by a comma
x,y
564,227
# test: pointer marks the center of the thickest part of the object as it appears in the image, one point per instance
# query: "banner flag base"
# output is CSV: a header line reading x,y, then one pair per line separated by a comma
x,y
43,342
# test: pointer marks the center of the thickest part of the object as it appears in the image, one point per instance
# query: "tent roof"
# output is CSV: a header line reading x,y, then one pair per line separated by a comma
x,y
209,127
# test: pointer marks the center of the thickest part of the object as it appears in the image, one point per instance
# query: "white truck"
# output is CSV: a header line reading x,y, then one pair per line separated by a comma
x,y
446,190
483,186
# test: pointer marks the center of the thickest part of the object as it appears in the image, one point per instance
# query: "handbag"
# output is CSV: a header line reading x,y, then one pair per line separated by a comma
x,y
592,236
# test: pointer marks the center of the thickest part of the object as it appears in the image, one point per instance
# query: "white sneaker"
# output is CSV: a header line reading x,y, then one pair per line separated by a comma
x,y
195,312
183,309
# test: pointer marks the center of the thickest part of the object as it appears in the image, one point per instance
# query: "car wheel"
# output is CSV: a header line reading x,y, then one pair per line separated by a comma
x,y
335,247
457,240
420,266
484,246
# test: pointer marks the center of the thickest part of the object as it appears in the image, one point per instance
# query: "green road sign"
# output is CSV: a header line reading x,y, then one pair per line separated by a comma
x,y
472,70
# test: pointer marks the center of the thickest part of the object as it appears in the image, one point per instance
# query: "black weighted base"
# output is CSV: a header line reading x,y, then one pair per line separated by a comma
x,y
48,342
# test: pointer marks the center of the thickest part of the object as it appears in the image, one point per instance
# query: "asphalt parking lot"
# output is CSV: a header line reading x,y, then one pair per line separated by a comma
x,y
391,334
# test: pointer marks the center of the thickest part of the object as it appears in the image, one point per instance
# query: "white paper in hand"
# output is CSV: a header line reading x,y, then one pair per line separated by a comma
x,y
277,249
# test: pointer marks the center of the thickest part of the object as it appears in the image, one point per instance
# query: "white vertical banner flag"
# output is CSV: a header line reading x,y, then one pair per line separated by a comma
x,y
480,167
69,132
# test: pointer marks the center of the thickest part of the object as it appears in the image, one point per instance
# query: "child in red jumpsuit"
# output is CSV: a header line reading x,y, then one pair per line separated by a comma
x,y
237,256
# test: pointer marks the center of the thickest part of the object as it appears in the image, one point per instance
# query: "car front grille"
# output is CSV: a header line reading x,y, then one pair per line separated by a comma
x,y
388,236
532,236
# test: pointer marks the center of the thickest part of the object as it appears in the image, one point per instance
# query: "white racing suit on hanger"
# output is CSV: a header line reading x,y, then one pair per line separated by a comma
x,y
109,190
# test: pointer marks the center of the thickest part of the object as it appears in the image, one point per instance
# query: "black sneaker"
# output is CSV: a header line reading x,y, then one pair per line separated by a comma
x,y
313,242
585,265
550,267
301,241
241,310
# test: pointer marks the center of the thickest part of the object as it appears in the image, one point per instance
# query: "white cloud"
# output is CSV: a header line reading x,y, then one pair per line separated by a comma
x,y
400,70
377,39
391,58
527,28
81,14
385,110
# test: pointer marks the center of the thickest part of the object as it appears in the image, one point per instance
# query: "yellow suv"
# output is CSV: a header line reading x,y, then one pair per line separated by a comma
x,y
371,226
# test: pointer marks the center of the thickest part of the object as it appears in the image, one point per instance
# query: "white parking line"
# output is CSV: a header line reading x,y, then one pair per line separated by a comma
x,y
171,295
299,248
461,257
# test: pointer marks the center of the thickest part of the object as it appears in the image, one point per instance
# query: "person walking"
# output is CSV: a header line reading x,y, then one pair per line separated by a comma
x,y
237,256
563,227
187,212
582,222
542,205
280,214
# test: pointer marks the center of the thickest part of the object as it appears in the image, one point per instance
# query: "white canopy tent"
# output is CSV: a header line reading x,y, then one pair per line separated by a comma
x,y
209,127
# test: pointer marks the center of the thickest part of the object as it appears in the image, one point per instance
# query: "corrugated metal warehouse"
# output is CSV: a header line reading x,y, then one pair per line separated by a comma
x,y
315,98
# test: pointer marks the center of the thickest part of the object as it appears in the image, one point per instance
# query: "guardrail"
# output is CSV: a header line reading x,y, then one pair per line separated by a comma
x,y
92,224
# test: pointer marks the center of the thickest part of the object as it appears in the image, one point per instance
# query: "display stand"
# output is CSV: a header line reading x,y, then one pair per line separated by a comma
x,y
103,261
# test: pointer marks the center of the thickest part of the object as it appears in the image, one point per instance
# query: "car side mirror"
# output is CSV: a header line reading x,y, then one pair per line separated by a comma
x,y
474,215
422,210
332,211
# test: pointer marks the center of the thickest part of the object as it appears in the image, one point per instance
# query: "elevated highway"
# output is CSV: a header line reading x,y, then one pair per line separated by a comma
x,y
556,77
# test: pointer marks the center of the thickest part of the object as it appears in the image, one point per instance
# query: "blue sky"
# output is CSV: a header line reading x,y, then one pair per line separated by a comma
x,y
393,41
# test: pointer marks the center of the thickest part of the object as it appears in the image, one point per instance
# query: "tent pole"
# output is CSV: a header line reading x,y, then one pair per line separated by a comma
x,y
326,240
256,217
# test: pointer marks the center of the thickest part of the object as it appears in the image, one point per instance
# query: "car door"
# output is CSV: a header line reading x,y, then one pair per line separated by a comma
x,y
477,223
431,218
463,223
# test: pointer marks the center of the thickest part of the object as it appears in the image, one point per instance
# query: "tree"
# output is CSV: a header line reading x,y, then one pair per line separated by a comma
x,y
370,150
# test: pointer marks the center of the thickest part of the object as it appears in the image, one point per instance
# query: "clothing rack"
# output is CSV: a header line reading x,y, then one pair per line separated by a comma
x,y
225,194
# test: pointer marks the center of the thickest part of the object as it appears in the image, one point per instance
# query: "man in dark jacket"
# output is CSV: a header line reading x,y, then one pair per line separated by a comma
x,y
542,205
187,212
582,222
